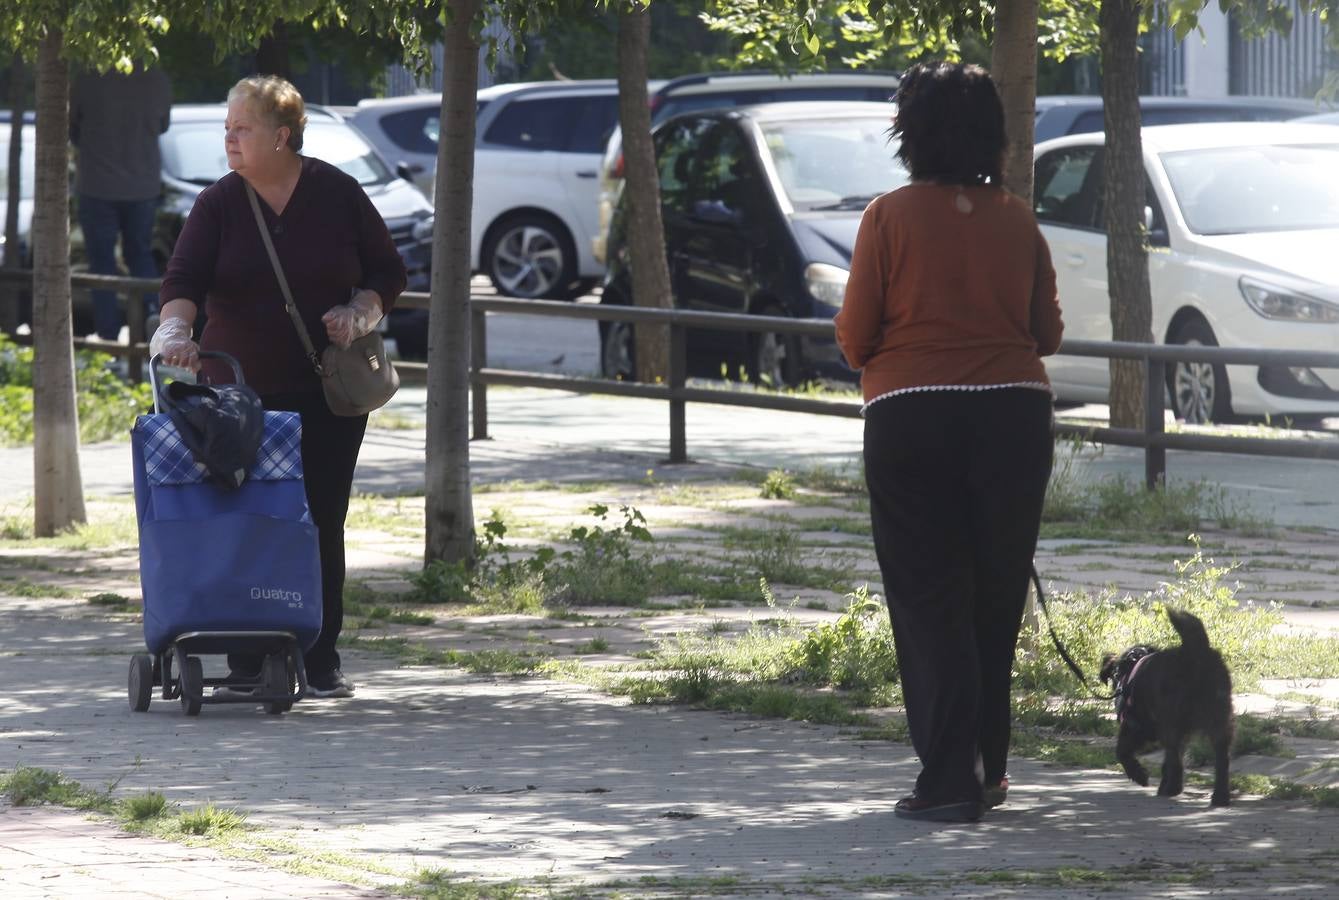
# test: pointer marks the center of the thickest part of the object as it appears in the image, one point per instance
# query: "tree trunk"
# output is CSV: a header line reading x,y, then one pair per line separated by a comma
x,y
1123,205
58,491
9,294
645,229
1013,64
449,508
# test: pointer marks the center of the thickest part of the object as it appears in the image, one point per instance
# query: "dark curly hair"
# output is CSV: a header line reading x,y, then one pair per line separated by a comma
x,y
950,123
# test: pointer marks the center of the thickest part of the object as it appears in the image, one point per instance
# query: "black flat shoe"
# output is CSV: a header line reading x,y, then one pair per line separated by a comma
x,y
992,795
914,807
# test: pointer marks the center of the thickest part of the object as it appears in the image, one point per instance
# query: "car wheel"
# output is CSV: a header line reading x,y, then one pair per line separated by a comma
x,y
1199,391
774,359
531,257
618,351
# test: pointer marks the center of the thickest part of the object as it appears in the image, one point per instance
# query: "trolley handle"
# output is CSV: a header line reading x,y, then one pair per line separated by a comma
x,y
157,360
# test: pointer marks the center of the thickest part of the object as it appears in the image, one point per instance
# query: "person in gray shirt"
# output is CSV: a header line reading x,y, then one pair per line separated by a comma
x,y
115,121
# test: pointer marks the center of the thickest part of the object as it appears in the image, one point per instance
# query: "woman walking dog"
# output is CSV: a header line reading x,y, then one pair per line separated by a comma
x,y
950,306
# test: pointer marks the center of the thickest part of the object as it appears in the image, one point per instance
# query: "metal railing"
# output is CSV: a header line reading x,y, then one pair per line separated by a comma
x,y
136,352
1152,437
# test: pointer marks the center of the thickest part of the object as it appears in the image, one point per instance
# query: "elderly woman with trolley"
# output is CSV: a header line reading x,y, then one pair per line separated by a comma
x,y
343,274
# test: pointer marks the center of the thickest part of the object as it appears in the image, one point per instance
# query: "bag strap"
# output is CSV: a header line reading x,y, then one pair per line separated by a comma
x,y
289,305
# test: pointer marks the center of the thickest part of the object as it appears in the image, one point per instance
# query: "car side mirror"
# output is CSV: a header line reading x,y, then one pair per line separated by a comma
x,y
1157,237
407,171
714,212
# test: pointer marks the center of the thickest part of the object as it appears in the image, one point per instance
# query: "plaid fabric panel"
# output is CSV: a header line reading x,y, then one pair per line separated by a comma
x,y
167,459
280,454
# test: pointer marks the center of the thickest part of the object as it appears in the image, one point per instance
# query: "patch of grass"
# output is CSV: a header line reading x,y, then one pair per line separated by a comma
x,y
439,884
594,645
393,421
1247,635
777,555
380,614
854,652
111,524
209,820
25,588
1119,504
491,662
143,807
778,485
118,602
28,786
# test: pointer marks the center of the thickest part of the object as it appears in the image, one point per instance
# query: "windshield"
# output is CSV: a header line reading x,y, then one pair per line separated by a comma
x,y
26,166
834,163
1232,190
194,152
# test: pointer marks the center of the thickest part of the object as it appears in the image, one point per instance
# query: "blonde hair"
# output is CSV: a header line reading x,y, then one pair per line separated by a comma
x,y
277,100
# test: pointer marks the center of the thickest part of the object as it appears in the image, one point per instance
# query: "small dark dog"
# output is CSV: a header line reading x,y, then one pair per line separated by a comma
x,y
1165,696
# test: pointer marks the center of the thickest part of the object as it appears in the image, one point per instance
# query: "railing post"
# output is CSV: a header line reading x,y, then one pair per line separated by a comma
x,y
478,359
1155,458
678,378
134,306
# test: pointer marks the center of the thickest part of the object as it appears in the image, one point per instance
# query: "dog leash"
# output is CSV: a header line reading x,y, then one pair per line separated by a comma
x,y
1059,646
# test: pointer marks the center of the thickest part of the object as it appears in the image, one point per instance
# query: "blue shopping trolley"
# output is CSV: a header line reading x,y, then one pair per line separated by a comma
x,y
223,571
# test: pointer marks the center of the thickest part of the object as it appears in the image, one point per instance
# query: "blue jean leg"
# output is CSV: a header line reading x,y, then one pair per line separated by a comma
x,y
137,243
103,221
101,224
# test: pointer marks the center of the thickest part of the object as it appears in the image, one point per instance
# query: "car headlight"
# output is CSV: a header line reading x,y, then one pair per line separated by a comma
x,y
825,283
422,230
1278,303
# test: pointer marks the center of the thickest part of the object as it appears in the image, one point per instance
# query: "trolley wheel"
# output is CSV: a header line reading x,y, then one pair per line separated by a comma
x,y
141,682
278,678
192,683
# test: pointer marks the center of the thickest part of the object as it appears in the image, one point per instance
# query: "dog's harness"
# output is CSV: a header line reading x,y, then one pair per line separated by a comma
x,y
1125,674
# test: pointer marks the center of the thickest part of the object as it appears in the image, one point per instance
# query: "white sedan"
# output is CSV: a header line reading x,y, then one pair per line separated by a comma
x,y
1243,227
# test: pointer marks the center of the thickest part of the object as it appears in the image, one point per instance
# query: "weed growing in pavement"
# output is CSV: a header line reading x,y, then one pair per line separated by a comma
x,y
777,667
112,601
143,807
439,884
1121,505
1247,635
22,587
855,652
28,786
778,485
209,819
601,564
777,555
594,645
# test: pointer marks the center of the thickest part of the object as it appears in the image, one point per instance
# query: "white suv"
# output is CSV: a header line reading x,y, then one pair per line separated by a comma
x,y
536,176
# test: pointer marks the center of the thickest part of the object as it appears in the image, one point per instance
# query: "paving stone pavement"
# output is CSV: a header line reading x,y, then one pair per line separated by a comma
x,y
493,778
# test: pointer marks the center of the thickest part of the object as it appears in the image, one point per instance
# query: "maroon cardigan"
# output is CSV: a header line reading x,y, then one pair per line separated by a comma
x,y
330,240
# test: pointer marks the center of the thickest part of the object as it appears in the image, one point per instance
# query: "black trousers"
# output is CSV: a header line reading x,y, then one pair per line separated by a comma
x,y
330,446
956,484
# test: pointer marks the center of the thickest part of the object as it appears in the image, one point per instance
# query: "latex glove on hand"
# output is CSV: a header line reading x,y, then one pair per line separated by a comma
x,y
172,341
346,323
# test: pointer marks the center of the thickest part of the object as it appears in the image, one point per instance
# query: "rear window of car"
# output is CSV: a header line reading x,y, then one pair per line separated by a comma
x,y
563,124
672,105
414,130
1091,121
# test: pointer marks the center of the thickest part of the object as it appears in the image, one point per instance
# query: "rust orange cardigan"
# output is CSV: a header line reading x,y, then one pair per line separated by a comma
x,y
949,286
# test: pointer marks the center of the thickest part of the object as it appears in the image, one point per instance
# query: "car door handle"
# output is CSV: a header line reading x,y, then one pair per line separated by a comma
x,y
1075,259
587,173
